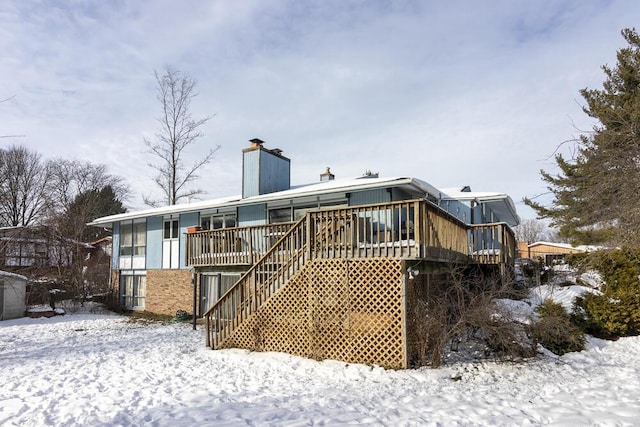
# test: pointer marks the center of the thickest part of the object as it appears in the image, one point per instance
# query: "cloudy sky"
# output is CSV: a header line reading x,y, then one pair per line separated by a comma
x,y
477,93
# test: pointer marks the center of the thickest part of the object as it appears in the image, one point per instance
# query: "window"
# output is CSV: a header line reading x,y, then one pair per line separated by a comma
x,y
214,222
139,238
213,286
12,254
126,238
27,257
171,229
279,215
132,290
133,238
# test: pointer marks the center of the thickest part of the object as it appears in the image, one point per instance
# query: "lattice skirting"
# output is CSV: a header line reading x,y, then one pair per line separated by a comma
x,y
349,310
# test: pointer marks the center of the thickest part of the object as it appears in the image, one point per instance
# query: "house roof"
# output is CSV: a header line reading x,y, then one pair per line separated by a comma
x,y
98,242
12,227
583,248
500,203
319,188
14,275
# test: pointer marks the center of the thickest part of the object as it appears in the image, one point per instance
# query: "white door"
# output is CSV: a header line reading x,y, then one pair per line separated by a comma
x,y
170,244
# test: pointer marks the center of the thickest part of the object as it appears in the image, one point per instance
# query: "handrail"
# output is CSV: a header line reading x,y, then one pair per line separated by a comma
x,y
377,230
257,285
492,243
233,246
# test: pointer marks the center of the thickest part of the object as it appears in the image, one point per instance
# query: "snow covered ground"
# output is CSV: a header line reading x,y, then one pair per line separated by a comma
x,y
102,370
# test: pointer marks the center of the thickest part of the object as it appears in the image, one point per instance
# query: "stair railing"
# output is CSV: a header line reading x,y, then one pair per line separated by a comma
x,y
258,284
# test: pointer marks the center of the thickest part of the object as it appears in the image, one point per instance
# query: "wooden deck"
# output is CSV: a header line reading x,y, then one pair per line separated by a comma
x,y
408,230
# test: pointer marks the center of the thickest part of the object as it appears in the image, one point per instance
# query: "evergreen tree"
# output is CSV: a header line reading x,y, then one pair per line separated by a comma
x,y
88,206
596,192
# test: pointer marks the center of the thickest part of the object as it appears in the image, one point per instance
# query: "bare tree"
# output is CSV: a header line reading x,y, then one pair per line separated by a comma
x,y
178,130
82,191
69,178
23,186
531,230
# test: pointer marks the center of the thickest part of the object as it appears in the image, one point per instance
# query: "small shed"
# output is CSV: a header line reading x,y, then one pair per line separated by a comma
x,y
13,291
550,252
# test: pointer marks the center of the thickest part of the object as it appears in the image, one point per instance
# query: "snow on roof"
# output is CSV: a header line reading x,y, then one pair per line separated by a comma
x,y
501,203
14,275
324,187
584,248
12,227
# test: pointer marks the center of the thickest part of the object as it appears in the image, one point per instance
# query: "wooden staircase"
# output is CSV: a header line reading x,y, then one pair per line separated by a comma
x,y
285,258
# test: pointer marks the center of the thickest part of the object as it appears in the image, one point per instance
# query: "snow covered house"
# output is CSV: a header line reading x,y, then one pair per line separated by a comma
x,y
317,270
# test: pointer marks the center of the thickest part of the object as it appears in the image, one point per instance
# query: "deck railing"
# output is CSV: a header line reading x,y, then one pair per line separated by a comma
x,y
493,243
233,246
410,229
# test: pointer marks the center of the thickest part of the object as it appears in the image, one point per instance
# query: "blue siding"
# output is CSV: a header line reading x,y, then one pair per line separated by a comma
x,y
115,246
478,214
186,220
274,173
252,215
154,242
264,172
380,195
251,173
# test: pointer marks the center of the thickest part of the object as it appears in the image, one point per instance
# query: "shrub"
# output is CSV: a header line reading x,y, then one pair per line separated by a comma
x,y
609,315
505,338
555,331
458,306
615,312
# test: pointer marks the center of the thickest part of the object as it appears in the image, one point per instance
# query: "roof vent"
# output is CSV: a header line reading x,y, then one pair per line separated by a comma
x,y
369,174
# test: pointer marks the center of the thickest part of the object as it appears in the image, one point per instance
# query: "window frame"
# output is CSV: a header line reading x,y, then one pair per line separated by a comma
x,y
133,238
226,220
137,289
173,229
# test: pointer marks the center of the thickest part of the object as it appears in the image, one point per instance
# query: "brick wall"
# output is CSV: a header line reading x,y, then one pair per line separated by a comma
x,y
169,291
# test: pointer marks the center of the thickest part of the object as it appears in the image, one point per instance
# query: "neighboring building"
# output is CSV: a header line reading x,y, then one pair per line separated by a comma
x,y
42,256
13,294
255,257
36,252
548,252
